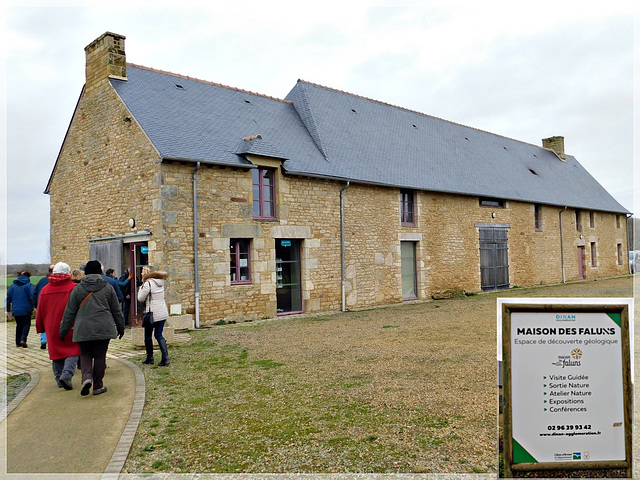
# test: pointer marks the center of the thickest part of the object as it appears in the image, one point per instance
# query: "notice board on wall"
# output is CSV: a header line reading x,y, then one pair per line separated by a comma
x,y
567,386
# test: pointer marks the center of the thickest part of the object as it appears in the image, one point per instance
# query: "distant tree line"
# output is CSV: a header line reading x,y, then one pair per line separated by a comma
x,y
33,268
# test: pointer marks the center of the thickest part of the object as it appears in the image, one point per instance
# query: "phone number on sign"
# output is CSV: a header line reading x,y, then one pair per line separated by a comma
x,y
569,427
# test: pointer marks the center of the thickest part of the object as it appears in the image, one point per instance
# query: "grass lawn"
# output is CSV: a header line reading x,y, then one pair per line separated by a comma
x,y
34,280
404,389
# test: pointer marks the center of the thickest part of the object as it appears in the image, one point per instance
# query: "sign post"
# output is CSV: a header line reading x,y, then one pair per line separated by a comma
x,y
567,387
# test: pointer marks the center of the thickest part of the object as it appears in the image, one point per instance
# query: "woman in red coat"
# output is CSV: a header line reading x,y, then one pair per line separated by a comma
x,y
51,304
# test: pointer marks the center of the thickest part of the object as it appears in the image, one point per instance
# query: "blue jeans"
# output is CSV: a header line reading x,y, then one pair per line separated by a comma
x,y
23,325
155,330
64,367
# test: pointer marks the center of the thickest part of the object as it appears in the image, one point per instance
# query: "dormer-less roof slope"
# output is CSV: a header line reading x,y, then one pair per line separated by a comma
x,y
326,133
369,141
192,120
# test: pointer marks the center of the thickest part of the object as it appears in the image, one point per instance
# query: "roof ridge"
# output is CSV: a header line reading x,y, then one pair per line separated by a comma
x,y
166,72
419,113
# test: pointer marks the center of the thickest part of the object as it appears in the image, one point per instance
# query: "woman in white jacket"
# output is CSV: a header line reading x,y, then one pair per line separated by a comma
x,y
152,292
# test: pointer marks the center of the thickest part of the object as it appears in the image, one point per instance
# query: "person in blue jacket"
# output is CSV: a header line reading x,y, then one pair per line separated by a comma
x,y
114,283
20,302
39,286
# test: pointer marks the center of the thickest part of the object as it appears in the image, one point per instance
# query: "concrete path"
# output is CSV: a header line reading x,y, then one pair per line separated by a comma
x,y
47,430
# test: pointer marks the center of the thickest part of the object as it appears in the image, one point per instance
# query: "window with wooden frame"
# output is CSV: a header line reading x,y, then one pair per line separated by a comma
x,y
619,254
407,215
578,220
593,254
537,217
240,264
264,193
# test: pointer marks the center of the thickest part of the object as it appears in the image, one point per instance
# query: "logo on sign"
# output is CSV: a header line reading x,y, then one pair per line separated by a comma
x,y
572,360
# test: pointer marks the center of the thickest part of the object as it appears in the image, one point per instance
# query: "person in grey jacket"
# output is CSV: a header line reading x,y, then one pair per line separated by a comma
x,y
94,306
152,291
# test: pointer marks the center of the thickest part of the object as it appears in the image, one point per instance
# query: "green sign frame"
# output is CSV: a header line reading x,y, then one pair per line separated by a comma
x,y
545,340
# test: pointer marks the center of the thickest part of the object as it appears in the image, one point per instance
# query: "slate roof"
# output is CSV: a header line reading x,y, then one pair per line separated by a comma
x,y
326,133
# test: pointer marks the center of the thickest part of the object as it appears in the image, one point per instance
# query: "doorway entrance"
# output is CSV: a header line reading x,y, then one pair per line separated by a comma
x,y
138,257
408,270
288,277
581,262
494,259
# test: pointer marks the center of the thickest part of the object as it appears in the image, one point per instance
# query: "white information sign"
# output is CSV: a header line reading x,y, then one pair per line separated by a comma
x,y
567,387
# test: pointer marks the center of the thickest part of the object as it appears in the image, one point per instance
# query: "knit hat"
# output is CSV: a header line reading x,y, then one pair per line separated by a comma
x,y
61,267
93,266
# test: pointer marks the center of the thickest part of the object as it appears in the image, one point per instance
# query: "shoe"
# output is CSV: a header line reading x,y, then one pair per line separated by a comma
x,y
98,391
66,383
163,363
148,361
60,385
23,344
43,346
86,387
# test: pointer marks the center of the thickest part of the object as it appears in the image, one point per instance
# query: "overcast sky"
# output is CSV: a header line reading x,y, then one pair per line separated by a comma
x,y
525,72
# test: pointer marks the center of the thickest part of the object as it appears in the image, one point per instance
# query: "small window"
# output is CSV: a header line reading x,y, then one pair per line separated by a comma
x,y
240,265
537,217
578,220
491,202
617,221
406,207
264,196
592,220
593,254
619,254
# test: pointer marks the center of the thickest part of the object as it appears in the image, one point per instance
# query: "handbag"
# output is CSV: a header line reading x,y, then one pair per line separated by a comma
x,y
147,317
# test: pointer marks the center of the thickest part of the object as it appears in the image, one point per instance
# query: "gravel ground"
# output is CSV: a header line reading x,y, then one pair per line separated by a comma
x,y
422,375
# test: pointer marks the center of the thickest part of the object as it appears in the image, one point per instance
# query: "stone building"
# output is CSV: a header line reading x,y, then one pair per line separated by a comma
x,y
321,201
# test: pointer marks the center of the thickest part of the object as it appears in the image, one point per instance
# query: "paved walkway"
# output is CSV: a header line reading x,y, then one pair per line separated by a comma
x,y
47,430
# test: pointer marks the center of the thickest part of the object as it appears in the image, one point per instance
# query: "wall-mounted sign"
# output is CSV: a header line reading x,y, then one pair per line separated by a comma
x,y
144,249
285,243
567,386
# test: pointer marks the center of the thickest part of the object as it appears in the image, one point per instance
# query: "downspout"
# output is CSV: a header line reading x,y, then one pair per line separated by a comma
x,y
195,243
564,274
342,245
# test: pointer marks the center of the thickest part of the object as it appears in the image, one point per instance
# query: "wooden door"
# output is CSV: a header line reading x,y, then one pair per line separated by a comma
x,y
494,259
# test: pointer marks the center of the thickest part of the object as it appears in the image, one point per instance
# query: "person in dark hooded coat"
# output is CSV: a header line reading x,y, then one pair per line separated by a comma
x,y
20,302
94,307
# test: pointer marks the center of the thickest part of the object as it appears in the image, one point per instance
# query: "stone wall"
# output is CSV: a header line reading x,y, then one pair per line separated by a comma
x,y
103,177
446,237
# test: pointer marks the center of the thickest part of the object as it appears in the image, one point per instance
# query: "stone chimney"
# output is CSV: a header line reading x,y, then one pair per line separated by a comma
x,y
556,145
105,59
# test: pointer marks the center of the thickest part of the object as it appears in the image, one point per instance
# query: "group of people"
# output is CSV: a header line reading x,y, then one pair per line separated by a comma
x,y
79,312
